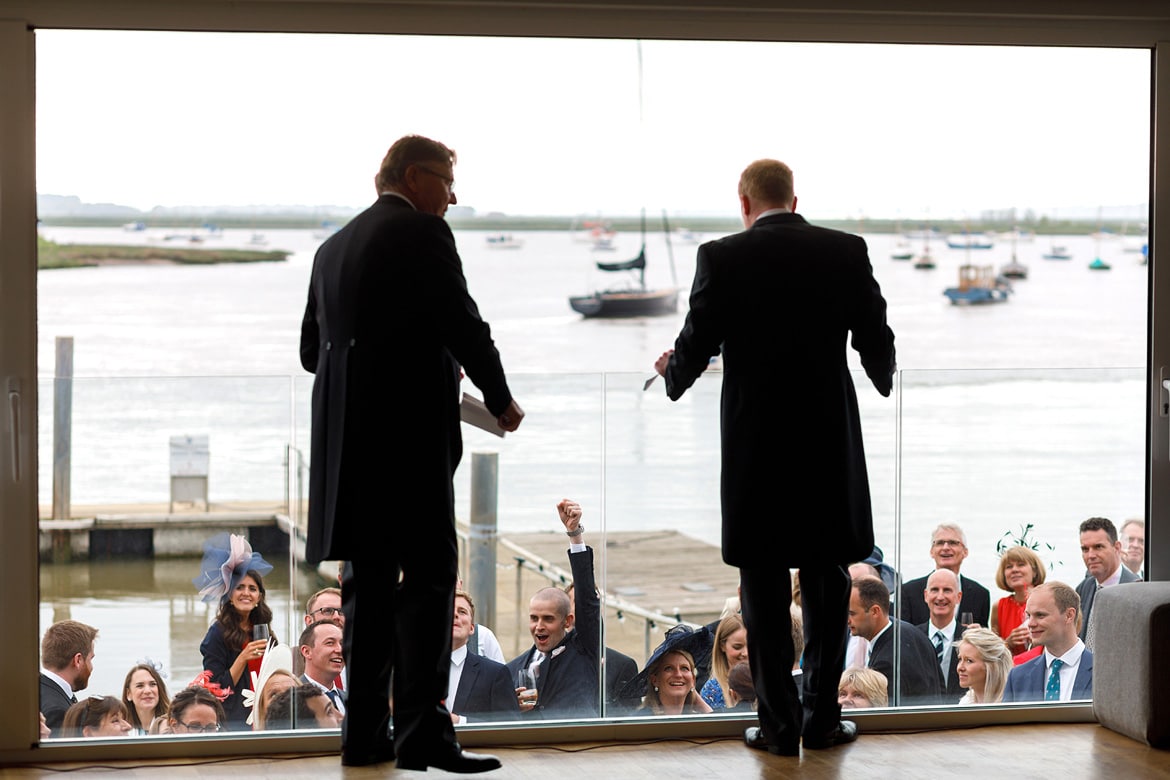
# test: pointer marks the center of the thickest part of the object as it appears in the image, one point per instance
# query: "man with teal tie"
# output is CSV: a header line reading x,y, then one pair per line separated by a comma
x,y
1065,670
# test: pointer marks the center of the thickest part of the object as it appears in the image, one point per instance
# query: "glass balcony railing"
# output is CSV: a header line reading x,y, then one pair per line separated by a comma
x,y
157,466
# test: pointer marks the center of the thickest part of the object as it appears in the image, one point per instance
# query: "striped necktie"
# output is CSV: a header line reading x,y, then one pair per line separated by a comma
x,y
1052,690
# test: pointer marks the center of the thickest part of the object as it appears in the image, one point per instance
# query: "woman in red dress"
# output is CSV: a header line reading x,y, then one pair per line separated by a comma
x,y
1020,570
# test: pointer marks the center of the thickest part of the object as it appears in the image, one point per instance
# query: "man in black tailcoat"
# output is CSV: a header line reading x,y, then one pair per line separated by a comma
x,y
388,324
780,300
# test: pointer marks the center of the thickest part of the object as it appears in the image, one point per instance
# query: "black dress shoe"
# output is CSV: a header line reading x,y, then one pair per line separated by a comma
x,y
845,733
753,737
459,762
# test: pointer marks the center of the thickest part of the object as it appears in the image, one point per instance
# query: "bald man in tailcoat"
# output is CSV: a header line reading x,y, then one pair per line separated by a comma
x,y
780,300
388,324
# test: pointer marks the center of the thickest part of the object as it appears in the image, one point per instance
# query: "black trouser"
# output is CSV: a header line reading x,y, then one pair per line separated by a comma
x,y
765,601
398,614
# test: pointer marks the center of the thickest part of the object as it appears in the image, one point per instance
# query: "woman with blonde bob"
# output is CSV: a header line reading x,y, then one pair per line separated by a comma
x,y
1019,571
729,648
861,687
984,664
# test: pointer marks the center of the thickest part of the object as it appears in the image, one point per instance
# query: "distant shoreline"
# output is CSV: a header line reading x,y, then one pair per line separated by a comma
x,y
654,224
51,255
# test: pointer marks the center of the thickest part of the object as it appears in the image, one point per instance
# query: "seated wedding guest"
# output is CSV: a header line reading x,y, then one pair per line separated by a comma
x,y
67,662
1133,546
232,576
320,648
194,710
984,664
96,716
861,687
920,679
276,674
145,695
943,629
1019,571
325,604
948,549
671,679
278,681
619,670
478,688
1065,670
483,641
1101,552
564,663
729,648
741,694
304,706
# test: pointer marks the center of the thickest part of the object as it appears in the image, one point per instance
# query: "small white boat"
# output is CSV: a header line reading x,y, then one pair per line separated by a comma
x,y
504,241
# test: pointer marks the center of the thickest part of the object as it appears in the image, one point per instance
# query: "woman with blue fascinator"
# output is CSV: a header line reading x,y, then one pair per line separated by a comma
x,y
232,574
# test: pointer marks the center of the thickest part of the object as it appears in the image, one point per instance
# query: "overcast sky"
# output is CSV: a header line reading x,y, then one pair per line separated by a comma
x,y
557,127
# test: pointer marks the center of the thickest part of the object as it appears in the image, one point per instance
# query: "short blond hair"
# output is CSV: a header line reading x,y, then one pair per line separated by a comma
x,y
768,182
871,683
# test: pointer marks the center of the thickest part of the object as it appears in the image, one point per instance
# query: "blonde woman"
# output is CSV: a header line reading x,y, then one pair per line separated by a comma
x,y
984,664
862,687
729,648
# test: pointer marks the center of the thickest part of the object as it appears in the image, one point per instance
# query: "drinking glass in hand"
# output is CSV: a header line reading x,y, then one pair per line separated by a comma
x,y
527,680
260,631
966,619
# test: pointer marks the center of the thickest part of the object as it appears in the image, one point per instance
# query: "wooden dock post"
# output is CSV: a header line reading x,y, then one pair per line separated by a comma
x,y
481,543
62,446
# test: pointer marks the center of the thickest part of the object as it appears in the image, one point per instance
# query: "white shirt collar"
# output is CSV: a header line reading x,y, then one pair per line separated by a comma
x,y
61,682
398,194
1070,658
948,631
772,213
459,655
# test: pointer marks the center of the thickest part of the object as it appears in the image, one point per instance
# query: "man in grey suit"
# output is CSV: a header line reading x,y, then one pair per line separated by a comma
x,y
781,300
1101,551
390,283
1065,670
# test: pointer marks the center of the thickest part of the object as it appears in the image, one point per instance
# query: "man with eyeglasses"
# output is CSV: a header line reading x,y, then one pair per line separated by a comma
x,y
388,326
325,604
948,548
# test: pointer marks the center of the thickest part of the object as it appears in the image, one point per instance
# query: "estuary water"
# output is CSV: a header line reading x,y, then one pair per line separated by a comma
x,y
1027,412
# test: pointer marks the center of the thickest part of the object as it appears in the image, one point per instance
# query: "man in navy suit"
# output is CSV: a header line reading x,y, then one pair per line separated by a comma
x,y
387,285
67,655
321,648
1101,552
480,688
942,597
1065,670
781,301
565,655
